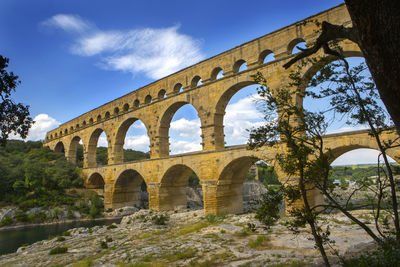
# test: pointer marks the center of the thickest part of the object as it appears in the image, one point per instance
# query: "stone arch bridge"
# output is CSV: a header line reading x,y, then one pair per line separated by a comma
x,y
221,169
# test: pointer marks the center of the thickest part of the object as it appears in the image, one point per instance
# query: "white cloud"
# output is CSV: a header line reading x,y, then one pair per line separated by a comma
x,y
43,124
154,52
68,22
187,128
139,143
347,129
180,146
358,156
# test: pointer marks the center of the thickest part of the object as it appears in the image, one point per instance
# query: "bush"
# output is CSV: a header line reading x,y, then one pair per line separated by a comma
x,y
211,218
103,245
60,238
66,233
6,221
21,217
58,250
387,255
268,210
111,226
160,219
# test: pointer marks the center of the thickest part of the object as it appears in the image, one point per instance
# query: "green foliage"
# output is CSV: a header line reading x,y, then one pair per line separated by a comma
x,y
268,210
111,226
129,155
60,238
97,206
33,176
267,175
14,117
21,217
66,233
194,180
58,250
103,245
160,219
211,218
6,221
386,255
258,242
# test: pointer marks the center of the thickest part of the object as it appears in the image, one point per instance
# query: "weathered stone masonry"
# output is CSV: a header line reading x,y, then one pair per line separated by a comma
x,y
221,169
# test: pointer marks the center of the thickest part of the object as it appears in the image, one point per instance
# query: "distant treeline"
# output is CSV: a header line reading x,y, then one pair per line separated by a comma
x,y
355,172
32,176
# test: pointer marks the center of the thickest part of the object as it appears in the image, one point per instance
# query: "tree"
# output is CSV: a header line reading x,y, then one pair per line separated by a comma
x,y
14,118
376,30
306,157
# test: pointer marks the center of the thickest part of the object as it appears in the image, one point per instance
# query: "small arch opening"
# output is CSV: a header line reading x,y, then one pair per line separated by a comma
x,y
294,44
161,94
77,126
136,103
147,99
91,120
266,56
107,115
116,111
126,107
216,74
84,123
178,88
71,128
239,66
96,183
196,81
99,118
66,131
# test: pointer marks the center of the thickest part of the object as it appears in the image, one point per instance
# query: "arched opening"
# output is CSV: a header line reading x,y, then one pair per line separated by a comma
x,y
126,107
96,183
266,56
99,118
353,167
75,153
84,123
77,126
239,66
107,115
59,148
61,133
136,103
230,185
180,189
178,88
237,112
66,131
51,136
147,99
180,127
116,111
131,142
55,134
336,122
196,81
299,42
217,73
97,149
161,94
71,129
130,190
91,120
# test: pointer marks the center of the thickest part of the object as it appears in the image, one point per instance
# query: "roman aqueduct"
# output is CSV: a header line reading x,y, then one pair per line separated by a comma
x,y
221,169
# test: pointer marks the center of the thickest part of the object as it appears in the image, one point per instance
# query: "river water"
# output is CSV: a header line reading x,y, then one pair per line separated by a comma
x,y
11,240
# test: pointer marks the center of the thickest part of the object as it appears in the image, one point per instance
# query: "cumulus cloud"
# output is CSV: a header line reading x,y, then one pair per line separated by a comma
x,y
154,52
181,146
68,22
358,156
186,128
139,143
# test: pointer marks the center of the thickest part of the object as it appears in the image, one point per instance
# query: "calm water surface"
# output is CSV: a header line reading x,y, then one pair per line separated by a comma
x,y
11,240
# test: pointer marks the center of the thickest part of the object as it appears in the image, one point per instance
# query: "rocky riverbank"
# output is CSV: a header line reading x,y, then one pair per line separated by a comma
x,y
185,238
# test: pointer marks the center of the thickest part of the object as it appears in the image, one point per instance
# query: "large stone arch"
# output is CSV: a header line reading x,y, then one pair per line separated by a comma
x,y
92,147
96,183
312,70
73,147
173,187
127,190
219,110
165,123
59,147
229,189
118,146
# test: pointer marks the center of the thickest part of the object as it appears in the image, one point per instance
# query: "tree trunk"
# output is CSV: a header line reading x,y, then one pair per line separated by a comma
x,y
378,25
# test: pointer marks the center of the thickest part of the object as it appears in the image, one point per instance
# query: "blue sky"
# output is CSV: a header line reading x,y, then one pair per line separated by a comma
x,y
73,56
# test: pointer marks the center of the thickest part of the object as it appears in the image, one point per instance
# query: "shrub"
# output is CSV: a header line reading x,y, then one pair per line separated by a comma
x,y
160,219
66,233
103,245
211,218
268,211
21,216
111,226
60,238
6,221
58,250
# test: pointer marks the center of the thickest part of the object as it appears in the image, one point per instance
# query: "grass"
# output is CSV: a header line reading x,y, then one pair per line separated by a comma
x,y
181,255
192,228
58,250
60,238
260,241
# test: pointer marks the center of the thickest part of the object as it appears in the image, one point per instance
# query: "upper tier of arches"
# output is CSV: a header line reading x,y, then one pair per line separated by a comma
x,y
251,54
